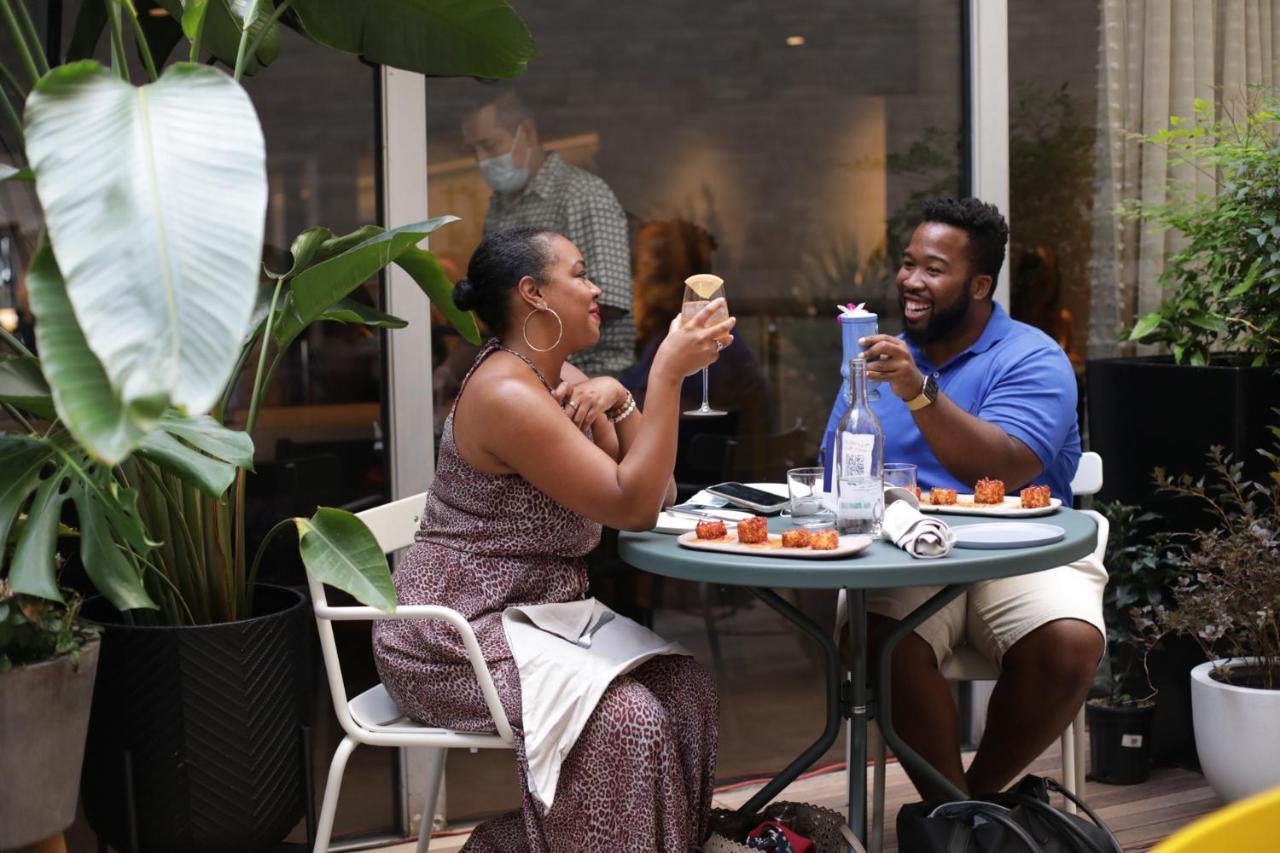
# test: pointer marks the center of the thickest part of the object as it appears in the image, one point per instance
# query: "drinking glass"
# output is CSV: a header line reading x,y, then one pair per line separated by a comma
x,y
808,508
902,474
698,291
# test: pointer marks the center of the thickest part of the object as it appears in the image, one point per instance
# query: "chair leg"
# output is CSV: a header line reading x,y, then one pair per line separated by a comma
x,y
877,750
332,788
705,591
1078,725
1069,765
435,775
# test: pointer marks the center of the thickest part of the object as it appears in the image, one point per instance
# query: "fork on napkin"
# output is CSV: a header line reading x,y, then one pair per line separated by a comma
x,y
920,535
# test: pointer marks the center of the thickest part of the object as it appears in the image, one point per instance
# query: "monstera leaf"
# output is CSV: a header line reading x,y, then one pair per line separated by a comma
x,y
155,200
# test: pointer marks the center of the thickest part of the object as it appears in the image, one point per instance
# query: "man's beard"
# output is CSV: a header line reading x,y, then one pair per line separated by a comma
x,y
941,323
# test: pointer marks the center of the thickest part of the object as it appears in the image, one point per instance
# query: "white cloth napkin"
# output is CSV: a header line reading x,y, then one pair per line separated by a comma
x,y
918,534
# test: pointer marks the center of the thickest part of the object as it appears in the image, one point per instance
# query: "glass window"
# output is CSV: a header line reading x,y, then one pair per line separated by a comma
x,y
786,150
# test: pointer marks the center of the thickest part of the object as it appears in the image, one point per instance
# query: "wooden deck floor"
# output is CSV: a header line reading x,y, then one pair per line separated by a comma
x,y
1139,815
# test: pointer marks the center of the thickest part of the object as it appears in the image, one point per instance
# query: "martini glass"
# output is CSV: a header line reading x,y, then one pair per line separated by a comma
x,y
698,291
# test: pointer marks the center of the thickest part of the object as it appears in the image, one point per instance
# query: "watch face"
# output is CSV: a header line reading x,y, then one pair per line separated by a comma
x,y
931,388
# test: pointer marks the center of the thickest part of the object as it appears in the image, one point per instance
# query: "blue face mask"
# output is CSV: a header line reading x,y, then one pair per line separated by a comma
x,y
501,172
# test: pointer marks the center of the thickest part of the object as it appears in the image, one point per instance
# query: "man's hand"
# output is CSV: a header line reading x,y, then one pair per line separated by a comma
x,y
889,360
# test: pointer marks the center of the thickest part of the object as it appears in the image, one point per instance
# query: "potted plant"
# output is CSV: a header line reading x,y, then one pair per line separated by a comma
x,y
47,663
1139,574
1220,319
1227,598
147,292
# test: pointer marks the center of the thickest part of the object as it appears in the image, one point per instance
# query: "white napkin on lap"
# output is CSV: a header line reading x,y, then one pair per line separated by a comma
x,y
920,535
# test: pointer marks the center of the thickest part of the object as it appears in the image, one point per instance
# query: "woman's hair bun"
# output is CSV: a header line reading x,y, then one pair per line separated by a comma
x,y
463,293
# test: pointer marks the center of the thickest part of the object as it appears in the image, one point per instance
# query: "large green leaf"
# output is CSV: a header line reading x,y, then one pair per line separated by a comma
x,y
155,199
111,573
209,475
430,276
23,385
221,35
33,571
444,38
339,550
21,459
82,394
321,286
206,434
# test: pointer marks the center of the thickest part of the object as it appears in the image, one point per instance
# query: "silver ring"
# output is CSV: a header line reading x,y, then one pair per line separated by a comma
x,y
719,345
573,403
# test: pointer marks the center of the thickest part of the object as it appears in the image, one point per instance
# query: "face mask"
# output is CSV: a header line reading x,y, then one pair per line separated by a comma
x,y
501,172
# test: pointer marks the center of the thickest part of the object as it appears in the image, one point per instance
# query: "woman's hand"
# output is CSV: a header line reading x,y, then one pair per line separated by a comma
x,y
691,345
585,401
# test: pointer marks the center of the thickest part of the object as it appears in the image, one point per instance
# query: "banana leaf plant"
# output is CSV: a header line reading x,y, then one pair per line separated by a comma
x,y
149,298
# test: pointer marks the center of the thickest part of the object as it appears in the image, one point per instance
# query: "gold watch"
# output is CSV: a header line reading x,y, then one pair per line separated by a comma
x,y
928,393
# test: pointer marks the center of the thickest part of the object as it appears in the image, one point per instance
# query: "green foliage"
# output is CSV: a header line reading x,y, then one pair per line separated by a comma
x,y
1223,287
148,300
33,630
1140,571
1227,594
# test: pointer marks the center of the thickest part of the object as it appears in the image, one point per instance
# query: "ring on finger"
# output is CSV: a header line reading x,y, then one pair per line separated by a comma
x,y
573,403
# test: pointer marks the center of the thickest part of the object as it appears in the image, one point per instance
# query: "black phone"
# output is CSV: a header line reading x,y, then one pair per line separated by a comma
x,y
746,496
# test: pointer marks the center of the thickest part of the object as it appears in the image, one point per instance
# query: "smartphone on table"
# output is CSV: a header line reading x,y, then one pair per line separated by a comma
x,y
745,496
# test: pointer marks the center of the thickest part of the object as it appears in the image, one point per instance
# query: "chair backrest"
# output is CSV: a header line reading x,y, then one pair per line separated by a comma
x,y
1088,477
393,525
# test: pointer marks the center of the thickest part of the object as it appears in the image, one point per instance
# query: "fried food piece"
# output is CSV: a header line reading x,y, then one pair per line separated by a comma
x,y
1035,497
798,538
824,540
753,530
987,491
711,529
942,497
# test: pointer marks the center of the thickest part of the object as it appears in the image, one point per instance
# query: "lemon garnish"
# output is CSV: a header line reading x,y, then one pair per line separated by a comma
x,y
704,284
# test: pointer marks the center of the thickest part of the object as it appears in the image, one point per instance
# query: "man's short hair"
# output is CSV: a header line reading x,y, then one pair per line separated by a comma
x,y
509,109
987,230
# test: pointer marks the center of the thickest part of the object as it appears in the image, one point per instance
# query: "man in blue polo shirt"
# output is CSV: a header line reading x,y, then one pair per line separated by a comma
x,y
967,392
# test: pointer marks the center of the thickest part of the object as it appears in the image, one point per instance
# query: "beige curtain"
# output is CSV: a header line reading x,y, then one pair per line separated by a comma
x,y
1155,58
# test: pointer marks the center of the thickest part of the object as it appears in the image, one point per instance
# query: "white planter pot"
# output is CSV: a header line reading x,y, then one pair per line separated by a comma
x,y
1235,733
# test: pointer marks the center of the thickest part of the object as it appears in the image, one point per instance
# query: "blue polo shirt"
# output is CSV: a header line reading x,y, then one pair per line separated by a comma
x,y
1014,376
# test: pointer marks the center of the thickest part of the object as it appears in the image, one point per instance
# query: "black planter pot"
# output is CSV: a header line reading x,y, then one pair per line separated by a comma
x,y
1119,743
196,736
1149,412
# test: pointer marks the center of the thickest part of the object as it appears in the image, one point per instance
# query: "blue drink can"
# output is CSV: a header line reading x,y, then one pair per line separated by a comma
x,y
860,325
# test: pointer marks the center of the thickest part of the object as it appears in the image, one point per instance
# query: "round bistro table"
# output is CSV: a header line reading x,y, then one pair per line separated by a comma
x,y
879,566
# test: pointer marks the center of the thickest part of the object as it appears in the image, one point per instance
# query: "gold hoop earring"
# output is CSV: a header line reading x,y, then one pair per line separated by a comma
x,y
524,330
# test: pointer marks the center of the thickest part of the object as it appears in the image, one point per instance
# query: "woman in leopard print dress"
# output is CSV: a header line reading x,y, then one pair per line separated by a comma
x,y
528,471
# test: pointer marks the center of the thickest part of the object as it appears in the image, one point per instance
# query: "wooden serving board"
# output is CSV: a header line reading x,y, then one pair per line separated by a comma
x,y
1011,508
773,548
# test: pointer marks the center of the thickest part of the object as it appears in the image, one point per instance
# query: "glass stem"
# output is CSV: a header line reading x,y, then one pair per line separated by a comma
x,y
706,401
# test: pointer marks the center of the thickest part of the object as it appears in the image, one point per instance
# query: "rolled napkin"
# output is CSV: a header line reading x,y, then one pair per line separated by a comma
x,y
918,534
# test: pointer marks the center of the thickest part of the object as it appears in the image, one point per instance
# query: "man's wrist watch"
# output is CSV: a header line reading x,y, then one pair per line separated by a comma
x,y
928,394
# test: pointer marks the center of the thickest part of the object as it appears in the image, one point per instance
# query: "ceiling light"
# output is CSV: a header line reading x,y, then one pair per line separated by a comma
x,y
795,41
157,12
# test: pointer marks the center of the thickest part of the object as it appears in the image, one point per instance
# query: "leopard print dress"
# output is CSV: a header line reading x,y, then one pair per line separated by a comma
x,y
640,776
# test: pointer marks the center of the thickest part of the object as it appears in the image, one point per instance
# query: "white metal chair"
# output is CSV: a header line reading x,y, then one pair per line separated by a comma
x,y
372,718
966,664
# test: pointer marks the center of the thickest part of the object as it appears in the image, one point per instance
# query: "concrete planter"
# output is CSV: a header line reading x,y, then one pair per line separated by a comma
x,y
44,714
1235,733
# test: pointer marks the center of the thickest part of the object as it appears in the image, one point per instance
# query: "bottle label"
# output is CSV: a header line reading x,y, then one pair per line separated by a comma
x,y
855,459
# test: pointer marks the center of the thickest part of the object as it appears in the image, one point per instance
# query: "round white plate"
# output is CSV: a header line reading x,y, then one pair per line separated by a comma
x,y
1006,534
1011,508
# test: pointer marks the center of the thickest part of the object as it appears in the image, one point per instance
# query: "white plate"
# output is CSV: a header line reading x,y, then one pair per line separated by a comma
x,y
1011,508
730,545
669,522
1010,534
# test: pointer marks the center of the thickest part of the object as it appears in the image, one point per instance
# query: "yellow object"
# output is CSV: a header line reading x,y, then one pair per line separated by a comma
x,y
704,284
1249,826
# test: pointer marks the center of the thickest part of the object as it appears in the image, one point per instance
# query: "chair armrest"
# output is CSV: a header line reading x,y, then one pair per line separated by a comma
x,y
1104,531
443,614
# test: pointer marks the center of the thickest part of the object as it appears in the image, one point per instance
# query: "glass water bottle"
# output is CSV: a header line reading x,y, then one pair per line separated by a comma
x,y
859,461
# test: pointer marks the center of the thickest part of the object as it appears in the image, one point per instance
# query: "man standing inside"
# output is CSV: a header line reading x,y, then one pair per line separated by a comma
x,y
535,187
977,394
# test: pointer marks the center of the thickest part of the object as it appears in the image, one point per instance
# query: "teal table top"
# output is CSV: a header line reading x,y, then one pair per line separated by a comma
x,y
881,565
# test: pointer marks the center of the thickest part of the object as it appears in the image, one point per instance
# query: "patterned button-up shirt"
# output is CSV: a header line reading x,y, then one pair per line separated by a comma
x,y
581,206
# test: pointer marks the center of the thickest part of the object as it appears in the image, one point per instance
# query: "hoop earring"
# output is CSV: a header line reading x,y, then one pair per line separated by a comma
x,y
524,329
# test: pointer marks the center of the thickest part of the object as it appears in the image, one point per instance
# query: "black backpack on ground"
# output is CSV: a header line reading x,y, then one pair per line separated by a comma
x,y
1019,820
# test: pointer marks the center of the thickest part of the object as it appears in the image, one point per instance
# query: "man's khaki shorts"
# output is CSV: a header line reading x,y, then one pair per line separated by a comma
x,y
993,615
